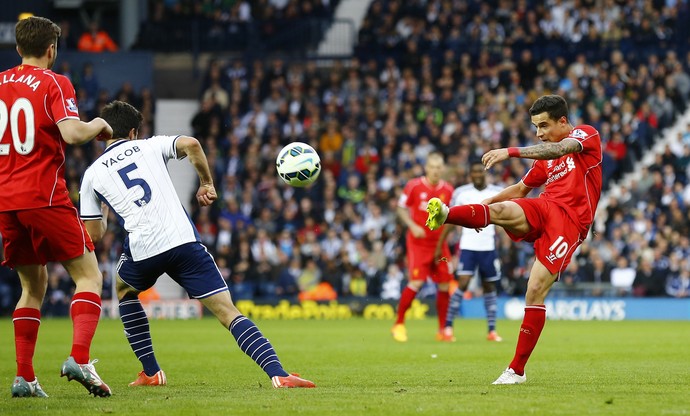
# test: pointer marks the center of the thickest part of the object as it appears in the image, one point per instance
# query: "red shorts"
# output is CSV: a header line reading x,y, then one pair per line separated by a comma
x,y
553,232
421,263
40,235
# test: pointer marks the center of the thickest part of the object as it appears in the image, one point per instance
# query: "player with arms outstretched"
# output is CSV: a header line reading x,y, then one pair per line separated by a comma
x,y
568,165
477,253
38,222
132,178
421,243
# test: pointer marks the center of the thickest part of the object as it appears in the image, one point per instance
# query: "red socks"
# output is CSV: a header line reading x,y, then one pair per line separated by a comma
x,y
85,311
26,322
408,295
469,216
532,324
406,299
442,299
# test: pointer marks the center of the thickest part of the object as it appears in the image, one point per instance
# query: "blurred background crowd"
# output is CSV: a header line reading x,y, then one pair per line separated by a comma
x,y
451,76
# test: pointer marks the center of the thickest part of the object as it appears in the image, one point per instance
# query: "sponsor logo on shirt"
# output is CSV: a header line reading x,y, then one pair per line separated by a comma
x,y
561,170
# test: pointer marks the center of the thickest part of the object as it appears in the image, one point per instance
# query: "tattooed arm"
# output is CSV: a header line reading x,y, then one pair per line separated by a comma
x,y
542,151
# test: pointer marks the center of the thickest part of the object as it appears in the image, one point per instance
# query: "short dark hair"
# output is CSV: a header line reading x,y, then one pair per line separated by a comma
x,y
475,162
122,117
554,105
34,35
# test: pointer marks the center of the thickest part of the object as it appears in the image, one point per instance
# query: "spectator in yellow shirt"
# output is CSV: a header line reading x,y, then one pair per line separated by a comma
x,y
331,139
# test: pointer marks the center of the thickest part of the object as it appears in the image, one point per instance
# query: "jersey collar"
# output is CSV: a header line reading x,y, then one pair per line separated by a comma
x,y
427,183
115,144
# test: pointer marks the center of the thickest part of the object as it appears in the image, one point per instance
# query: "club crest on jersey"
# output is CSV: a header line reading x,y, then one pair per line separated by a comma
x,y
571,163
71,105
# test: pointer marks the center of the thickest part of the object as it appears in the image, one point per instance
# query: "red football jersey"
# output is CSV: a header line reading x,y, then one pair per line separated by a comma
x,y
415,196
574,180
32,153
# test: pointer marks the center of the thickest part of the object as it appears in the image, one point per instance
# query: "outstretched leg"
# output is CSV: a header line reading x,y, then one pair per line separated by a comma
x,y
251,341
508,215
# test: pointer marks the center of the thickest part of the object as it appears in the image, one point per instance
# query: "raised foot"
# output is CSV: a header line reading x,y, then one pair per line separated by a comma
x,y
438,212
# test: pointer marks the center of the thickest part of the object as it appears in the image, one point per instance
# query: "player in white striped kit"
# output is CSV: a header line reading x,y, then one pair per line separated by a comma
x,y
477,253
131,178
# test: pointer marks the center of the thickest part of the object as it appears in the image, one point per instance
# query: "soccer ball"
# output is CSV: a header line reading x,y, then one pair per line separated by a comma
x,y
298,164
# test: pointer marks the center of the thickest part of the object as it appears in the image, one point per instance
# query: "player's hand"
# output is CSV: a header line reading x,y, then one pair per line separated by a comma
x,y
206,195
493,157
417,231
106,132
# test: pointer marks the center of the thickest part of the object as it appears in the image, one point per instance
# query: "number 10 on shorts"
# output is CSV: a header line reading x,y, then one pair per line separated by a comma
x,y
558,249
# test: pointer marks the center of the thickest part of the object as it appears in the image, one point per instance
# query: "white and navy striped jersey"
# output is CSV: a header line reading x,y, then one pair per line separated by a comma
x,y
471,239
131,176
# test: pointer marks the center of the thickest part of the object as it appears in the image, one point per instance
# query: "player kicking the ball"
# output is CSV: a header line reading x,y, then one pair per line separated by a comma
x,y
131,177
568,165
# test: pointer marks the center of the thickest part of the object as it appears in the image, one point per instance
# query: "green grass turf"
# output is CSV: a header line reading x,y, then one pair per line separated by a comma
x,y
579,368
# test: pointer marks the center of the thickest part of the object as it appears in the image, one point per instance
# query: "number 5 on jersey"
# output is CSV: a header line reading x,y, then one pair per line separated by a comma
x,y
132,182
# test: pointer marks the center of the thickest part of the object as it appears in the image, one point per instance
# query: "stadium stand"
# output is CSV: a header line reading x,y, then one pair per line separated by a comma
x,y
451,80
256,26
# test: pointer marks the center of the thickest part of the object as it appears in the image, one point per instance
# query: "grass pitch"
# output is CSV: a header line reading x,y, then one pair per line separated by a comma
x,y
578,368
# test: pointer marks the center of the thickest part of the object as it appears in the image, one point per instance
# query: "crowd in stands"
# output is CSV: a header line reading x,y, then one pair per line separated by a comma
x,y
456,77
251,26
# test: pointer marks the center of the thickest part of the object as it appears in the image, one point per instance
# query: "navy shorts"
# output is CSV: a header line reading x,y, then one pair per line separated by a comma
x,y
484,261
190,265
